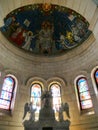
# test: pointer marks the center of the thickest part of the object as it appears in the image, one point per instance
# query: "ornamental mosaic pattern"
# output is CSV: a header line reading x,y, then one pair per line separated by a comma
x,y
45,29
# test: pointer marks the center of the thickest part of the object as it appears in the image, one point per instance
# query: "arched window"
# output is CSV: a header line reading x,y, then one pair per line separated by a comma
x,y
56,93
96,77
8,93
84,94
35,98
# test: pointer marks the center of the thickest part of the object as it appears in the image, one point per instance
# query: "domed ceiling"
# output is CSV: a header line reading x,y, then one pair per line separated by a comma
x,y
45,29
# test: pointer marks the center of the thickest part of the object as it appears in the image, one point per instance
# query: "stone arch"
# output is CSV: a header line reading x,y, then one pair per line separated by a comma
x,y
36,79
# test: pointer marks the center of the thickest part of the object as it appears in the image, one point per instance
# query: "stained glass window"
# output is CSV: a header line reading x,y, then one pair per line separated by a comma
x,y
56,93
36,96
96,77
7,93
84,94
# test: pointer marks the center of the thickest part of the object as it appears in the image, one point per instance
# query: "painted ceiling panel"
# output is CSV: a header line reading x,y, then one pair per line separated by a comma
x,y
45,29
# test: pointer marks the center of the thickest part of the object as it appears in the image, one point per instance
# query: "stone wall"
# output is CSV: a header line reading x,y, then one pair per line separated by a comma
x,y
80,61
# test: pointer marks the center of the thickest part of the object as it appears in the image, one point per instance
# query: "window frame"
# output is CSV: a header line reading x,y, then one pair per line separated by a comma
x,y
31,90
13,96
79,100
59,85
94,75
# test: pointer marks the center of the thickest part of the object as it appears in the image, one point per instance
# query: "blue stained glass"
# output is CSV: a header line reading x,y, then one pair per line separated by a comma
x,y
36,96
81,80
96,76
85,95
9,79
55,89
97,73
82,85
8,84
36,91
4,104
86,104
6,93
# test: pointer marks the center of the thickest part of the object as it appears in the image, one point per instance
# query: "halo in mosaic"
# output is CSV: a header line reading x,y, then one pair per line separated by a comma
x,y
45,29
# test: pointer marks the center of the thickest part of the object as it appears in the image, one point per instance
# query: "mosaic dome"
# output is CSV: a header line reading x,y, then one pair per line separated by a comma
x,y
45,29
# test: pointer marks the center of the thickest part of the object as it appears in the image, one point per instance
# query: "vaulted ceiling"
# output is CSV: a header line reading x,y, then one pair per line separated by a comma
x,y
81,6
47,27
29,64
